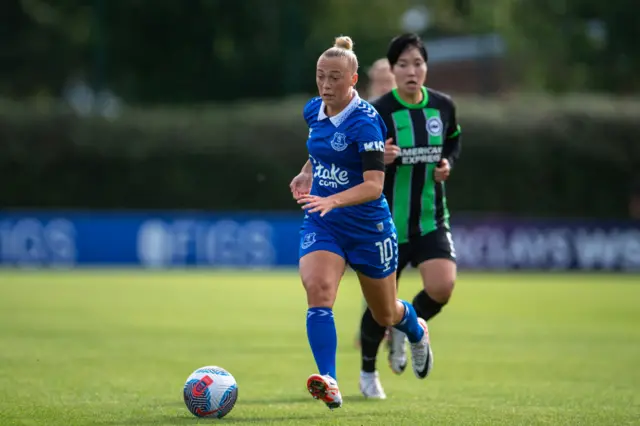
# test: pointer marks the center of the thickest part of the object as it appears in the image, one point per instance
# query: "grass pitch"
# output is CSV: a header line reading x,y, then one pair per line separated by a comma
x,y
114,348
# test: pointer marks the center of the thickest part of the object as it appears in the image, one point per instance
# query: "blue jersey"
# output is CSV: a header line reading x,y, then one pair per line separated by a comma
x,y
335,145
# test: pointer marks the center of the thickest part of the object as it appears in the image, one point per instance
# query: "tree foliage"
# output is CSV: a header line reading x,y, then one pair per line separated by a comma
x,y
560,45
170,51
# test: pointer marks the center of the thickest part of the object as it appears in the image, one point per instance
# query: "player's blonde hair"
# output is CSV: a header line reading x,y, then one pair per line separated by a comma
x,y
343,48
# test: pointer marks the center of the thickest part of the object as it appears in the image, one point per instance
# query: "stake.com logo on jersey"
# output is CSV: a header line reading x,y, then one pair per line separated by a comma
x,y
329,177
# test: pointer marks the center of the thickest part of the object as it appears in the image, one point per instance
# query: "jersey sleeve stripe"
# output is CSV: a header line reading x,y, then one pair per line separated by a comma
x,y
455,133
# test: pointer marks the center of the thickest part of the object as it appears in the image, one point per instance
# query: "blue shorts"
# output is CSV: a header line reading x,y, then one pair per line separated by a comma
x,y
373,255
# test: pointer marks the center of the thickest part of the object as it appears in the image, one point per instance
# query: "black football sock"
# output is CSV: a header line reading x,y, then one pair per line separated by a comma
x,y
371,335
425,306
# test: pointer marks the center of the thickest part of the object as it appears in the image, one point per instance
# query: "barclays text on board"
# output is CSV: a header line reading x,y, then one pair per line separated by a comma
x,y
166,240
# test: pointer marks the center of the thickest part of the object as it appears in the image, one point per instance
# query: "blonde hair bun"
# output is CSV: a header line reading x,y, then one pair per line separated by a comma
x,y
344,42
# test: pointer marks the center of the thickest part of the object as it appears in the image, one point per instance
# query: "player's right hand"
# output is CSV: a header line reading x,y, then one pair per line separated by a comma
x,y
301,185
391,151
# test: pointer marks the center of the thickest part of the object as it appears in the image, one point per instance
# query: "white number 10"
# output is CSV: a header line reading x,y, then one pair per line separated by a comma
x,y
386,250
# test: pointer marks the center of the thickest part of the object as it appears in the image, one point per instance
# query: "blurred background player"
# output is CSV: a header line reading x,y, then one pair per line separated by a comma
x,y
347,218
423,145
381,79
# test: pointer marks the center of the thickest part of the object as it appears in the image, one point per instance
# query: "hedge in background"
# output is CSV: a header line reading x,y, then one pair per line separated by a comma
x,y
527,156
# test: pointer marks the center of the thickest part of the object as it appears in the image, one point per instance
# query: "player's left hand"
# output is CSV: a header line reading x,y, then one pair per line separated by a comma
x,y
391,151
442,171
314,204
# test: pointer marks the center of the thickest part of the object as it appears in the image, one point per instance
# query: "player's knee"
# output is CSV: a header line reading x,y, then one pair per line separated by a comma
x,y
320,290
442,291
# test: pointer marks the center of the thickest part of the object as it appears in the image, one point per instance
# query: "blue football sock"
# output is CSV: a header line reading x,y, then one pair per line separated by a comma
x,y
323,339
409,324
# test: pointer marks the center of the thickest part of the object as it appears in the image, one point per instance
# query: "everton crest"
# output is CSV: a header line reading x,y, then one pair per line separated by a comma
x,y
339,142
308,240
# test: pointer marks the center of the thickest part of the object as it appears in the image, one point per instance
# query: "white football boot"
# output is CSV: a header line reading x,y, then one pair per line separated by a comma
x,y
397,351
370,386
325,388
421,355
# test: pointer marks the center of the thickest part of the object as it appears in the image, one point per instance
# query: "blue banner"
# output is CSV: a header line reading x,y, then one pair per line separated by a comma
x,y
184,239
534,244
150,240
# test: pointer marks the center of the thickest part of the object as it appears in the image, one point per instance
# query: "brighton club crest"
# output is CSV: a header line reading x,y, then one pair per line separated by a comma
x,y
434,126
339,142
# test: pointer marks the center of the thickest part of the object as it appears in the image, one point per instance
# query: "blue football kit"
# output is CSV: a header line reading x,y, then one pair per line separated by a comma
x,y
364,234
341,148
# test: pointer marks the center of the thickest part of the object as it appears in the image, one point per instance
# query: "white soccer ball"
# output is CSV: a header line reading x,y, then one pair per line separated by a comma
x,y
210,392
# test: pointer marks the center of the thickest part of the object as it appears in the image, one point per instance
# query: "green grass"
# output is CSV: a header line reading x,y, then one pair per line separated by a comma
x,y
114,348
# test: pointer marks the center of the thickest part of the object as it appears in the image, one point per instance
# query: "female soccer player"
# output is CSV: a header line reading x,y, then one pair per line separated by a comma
x,y
423,145
347,218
